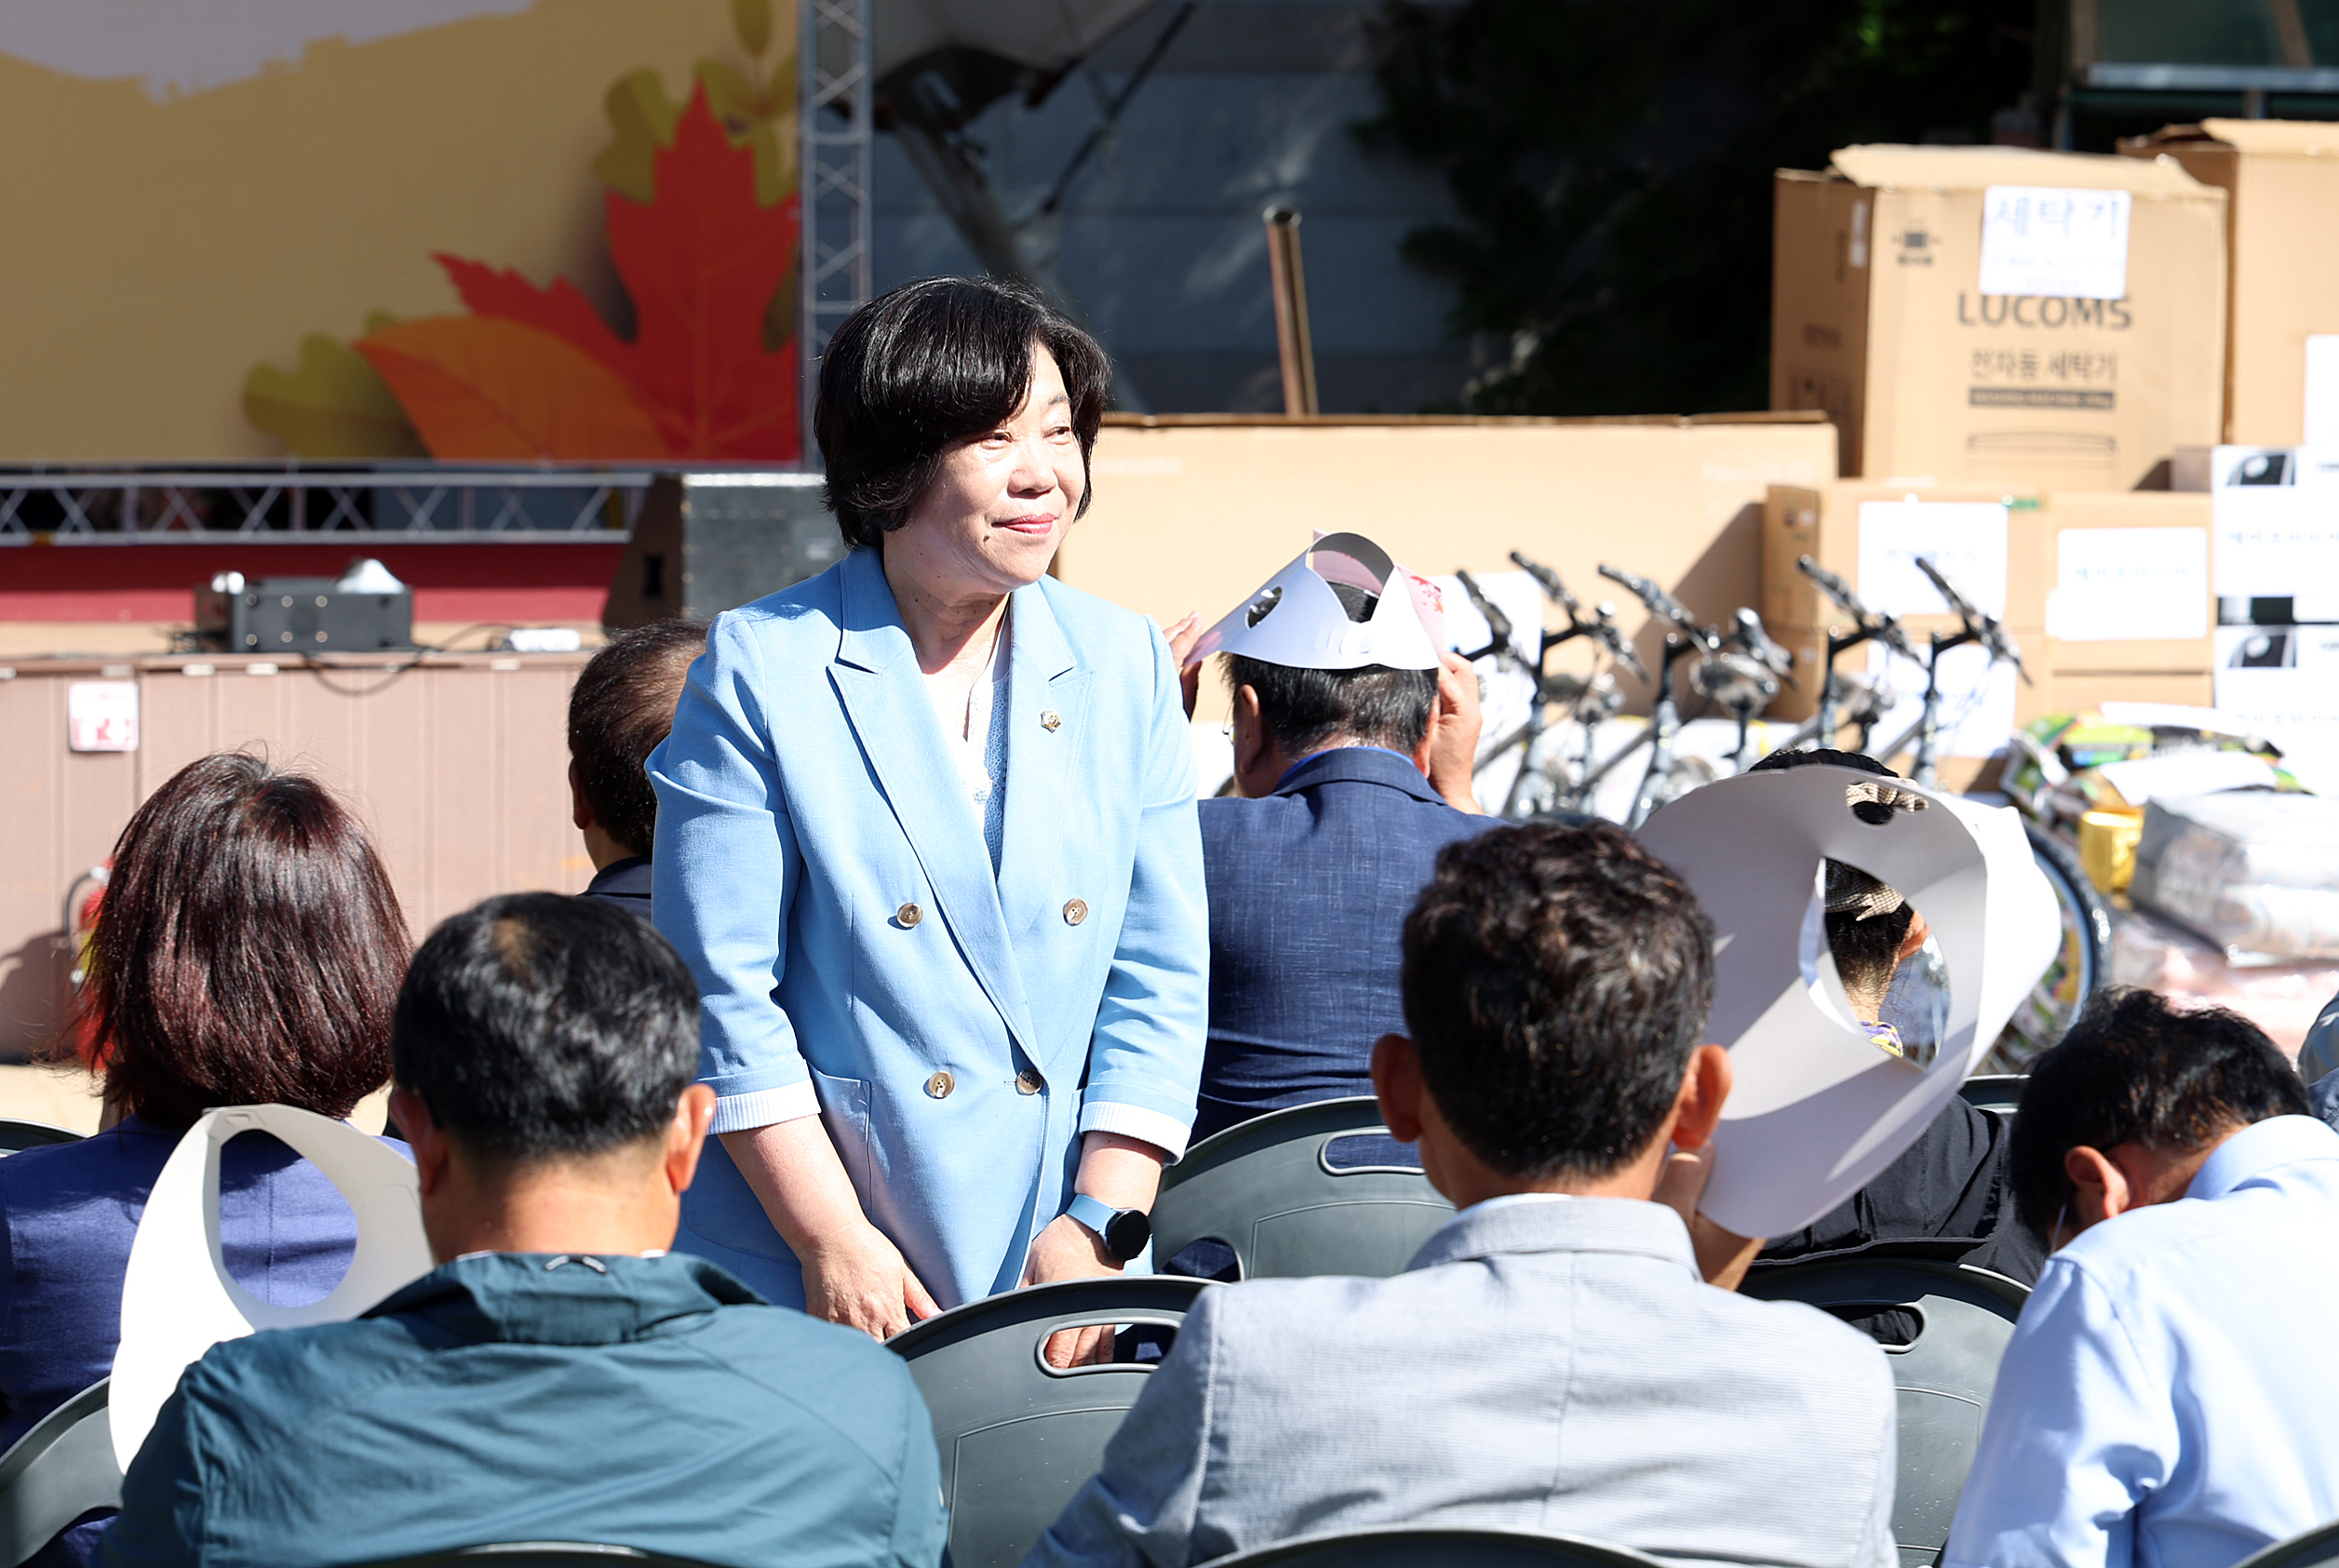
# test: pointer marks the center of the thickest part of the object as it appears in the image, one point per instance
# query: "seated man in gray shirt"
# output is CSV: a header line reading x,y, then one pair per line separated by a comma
x,y
1551,1361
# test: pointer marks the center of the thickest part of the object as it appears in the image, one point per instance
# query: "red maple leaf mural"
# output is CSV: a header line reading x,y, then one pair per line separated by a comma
x,y
700,262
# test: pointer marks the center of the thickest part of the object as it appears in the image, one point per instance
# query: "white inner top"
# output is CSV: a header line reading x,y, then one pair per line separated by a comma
x,y
963,698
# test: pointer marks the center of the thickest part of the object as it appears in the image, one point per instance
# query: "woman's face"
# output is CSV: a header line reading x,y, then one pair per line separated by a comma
x,y
995,514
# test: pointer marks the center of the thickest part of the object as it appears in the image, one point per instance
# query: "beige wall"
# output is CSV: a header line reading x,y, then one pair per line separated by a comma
x,y
458,766
157,249
1193,514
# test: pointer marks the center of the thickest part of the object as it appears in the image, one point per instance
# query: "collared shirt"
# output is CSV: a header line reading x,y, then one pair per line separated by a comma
x,y
1308,889
2167,1398
649,1403
625,882
1546,1364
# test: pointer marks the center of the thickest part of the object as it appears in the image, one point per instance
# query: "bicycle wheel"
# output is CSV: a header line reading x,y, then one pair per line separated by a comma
x,y
2082,966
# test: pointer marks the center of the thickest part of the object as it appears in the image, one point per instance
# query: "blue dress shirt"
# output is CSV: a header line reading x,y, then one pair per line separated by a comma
x,y
2167,1398
1309,886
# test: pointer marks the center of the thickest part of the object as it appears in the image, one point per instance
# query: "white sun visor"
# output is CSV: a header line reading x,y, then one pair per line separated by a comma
x,y
1816,1109
1297,620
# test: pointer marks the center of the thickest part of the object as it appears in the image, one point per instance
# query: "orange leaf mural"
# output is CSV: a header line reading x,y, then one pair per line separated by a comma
x,y
700,261
480,389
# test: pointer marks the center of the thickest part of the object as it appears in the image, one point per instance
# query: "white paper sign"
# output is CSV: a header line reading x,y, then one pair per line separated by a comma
x,y
2297,709
179,1299
2118,585
1817,1110
1965,538
2052,240
2275,541
101,715
2321,423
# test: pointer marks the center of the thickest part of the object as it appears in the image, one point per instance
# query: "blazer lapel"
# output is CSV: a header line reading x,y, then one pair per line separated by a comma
x,y
884,692
1044,679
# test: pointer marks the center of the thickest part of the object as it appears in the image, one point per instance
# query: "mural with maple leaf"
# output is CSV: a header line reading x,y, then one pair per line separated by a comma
x,y
701,215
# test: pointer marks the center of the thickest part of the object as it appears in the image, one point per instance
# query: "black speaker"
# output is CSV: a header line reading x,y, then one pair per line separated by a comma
x,y
300,615
706,543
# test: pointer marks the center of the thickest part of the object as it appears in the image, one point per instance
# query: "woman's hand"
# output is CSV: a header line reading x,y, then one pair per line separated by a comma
x,y
853,1274
1182,637
859,1279
1454,728
1068,1250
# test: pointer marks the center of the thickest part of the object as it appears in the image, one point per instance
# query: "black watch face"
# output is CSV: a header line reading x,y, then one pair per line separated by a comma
x,y
1127,1233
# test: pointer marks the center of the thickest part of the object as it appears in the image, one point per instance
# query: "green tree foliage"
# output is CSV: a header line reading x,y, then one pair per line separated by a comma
x,y
1611,161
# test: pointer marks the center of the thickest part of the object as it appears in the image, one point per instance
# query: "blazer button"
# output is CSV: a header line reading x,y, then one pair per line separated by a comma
x,y
1075,911
1049,720
1029,1081
909,915
940,1085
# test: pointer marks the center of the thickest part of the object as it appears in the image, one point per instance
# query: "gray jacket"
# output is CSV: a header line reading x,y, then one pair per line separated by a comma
x,y
1550,1364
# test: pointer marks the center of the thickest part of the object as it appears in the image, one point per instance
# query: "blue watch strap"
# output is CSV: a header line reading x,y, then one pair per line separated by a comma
x,y
1092,1213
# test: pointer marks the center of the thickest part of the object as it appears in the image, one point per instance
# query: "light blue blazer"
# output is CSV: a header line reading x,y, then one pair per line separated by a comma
x,y
820,866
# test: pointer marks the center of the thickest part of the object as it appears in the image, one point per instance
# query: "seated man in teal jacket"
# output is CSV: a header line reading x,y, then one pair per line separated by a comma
x,y
561,1376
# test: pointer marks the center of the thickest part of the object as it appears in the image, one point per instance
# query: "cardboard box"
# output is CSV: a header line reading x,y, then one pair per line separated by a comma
x,y
2069,693
2281,178
1878,317
2079,570
1193,513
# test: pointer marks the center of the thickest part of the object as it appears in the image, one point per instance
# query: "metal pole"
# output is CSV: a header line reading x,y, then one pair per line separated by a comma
x,y
835,84
1290,282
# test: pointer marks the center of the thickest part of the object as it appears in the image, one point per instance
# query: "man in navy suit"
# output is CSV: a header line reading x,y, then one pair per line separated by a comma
x,y
1351,781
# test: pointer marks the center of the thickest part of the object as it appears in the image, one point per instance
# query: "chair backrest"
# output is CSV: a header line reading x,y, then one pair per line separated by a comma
x,y
1017,1435
543,1554
52,1475
1956,1322
2315,1548
1995,1091
1307,1190
1438,1548
17,1136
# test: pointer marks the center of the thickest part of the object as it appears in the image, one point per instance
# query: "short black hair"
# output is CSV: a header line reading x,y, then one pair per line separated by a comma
x,y
913,372
1866,950
1375,705
1556,979
2137,1069
619,710
537,1025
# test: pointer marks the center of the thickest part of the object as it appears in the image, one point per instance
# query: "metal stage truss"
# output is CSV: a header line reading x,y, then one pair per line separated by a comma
x,y
836,100
291,506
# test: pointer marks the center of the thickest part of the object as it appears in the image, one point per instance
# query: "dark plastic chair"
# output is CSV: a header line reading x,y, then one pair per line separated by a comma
x,y
1995,1091
52,1475
1952,1323
1017,1435
1287,1194
1438,1548
2315,1548
542,1554
17,1136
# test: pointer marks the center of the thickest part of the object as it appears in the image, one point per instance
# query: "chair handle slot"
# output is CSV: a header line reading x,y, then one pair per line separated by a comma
x,y
1116,1321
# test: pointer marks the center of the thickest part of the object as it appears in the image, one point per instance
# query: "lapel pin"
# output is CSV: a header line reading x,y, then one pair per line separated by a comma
x,y
1049,719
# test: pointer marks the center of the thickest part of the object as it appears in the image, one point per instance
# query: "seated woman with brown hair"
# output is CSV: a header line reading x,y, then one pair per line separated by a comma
x,y
248,951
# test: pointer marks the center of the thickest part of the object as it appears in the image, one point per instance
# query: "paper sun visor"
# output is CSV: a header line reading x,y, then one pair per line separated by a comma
x,y
1297,620
178,1298
1816,1109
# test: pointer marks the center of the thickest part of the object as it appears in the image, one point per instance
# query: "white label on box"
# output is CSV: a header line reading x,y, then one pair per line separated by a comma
x,y
1965,538
101,715
1977,700
2275,541
2051,240
2322,391
2297,709
2117,584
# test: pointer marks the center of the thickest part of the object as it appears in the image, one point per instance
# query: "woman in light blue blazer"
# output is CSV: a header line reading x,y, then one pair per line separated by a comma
x,y
926,834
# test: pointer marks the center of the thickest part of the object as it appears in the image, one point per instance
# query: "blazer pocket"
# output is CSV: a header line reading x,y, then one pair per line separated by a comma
x,y
845,1112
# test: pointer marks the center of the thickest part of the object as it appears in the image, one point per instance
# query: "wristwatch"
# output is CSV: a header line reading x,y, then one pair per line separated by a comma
x,y
1124,1232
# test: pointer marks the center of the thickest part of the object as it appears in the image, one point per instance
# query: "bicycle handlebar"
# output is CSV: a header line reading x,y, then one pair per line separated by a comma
x,y
1885,628
1553,589
1979,624
1661,603
1497,622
